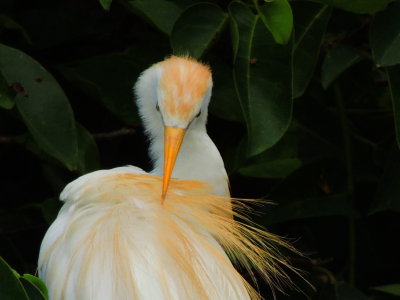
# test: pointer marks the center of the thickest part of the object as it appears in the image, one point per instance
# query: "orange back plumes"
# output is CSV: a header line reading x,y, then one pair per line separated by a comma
x,y
183,248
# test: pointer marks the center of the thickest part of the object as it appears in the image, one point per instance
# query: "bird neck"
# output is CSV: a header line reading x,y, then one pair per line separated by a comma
x,y
198,159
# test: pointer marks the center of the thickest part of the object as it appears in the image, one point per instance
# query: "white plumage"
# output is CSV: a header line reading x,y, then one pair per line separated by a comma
x,y
116,237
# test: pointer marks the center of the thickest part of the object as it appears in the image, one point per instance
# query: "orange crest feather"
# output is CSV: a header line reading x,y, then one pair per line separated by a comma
x,y
185,82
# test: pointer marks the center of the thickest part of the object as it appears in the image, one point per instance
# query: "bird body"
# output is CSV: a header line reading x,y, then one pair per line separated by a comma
x,y
113,239
127,234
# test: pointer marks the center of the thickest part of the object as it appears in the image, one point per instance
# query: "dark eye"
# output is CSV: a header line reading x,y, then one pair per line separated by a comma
x,y
158,107
198,115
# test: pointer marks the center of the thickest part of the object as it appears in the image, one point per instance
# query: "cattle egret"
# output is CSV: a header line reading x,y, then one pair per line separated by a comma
x,y
169,234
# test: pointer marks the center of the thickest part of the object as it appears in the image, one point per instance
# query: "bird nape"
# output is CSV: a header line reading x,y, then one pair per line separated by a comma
x,y
127,234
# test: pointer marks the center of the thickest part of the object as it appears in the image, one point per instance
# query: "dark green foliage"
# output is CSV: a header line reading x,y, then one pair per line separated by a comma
x,y
262,73
13,286
278,18
337,60
393,289
358,6
42,105
305,111
310,25
196,28
385,36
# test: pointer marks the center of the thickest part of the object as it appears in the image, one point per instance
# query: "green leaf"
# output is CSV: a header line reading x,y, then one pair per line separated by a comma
x,y
196,28
262,74
337,61
279,168
42,104
224,102
36,288
393,75
106,4
358,6
109,77
7,95
32,292
347,292
392,289
37,282
276,162
335,205
162,14
310,20
385,36
88,154
277,16
10,287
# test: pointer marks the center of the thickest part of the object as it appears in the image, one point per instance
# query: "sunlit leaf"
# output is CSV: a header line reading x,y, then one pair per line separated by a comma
x,y
262,73
162,14
10,286
196,28
310,20
392,289
358,6
337,61
42,104
277,16
385,36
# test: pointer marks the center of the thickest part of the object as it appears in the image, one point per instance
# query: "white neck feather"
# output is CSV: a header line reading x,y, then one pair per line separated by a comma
x,y
198,159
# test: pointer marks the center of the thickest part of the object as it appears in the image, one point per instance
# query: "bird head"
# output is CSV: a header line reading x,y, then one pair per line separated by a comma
x,y
173,97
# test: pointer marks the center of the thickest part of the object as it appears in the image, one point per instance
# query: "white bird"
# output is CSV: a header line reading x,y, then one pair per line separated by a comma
x,y
126,234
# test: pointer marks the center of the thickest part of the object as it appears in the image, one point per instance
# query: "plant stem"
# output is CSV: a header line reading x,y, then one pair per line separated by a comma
x,y
350,183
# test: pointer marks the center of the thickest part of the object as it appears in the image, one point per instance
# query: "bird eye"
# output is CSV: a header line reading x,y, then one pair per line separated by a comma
x,y
198,115
158,107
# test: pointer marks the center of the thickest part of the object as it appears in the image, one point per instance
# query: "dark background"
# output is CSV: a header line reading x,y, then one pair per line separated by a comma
x,y
334,173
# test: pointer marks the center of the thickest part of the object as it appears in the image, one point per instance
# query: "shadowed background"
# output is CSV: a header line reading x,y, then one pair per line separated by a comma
x,y
305,109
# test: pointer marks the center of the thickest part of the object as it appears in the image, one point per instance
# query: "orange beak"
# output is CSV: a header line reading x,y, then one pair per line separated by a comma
x,y
173,138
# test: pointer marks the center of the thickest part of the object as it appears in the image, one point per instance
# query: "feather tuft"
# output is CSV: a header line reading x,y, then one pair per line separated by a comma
x,y
114,239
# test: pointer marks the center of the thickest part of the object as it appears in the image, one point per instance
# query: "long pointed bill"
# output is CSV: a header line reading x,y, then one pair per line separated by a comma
x,y
173,138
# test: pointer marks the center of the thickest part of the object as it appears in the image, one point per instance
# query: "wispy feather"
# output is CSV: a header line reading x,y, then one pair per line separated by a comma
x,y
114,239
